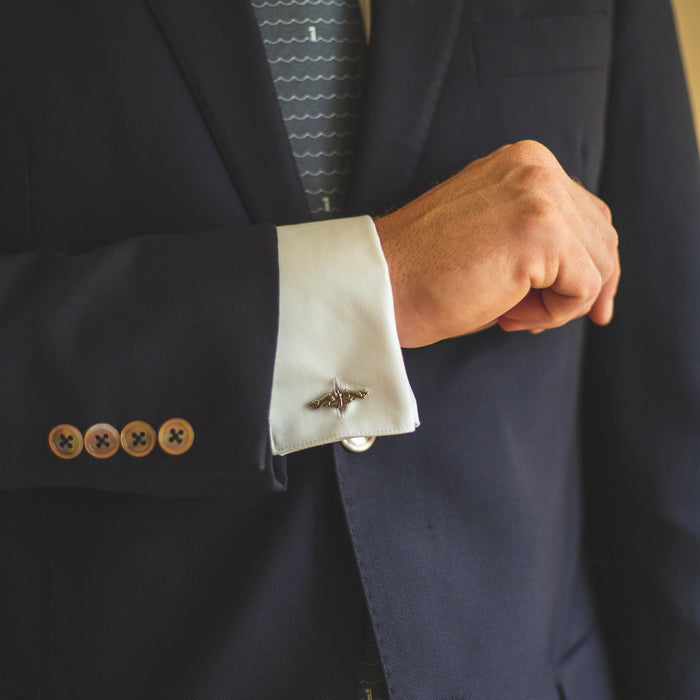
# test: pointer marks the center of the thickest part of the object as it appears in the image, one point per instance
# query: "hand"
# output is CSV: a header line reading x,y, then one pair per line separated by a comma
x,y
511,239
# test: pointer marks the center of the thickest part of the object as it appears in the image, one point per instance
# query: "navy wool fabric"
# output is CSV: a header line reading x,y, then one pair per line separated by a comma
x,y
536,538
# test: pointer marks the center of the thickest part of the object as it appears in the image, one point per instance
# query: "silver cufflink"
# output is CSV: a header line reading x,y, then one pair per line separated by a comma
x,y
339,398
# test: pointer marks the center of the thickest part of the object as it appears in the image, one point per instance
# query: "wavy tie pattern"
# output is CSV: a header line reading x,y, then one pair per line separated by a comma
x,y
317,54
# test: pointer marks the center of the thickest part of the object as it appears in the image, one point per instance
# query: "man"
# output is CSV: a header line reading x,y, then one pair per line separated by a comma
x,y
144,149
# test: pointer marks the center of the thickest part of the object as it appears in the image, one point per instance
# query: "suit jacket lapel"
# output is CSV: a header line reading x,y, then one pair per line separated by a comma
x,y
218,47
409,54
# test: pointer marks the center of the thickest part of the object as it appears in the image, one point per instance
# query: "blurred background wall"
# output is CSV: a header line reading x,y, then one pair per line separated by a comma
x,y
688,23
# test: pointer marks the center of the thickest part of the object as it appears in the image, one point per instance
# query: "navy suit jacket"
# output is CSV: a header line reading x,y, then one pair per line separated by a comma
x,y
537,537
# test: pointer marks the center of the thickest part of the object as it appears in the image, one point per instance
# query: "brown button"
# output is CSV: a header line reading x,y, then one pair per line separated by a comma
x,y
358,444
138,438
66,441
175,436
101,440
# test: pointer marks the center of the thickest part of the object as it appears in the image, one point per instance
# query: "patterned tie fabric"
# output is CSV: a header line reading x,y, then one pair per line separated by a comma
x,y
372,685
317,55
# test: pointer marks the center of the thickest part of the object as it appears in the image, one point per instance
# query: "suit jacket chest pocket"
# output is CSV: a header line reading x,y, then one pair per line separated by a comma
x,y
546,78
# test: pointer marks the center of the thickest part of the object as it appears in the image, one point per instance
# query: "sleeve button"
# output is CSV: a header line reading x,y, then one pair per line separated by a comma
x,y
175,436
65,441
138,438
101,440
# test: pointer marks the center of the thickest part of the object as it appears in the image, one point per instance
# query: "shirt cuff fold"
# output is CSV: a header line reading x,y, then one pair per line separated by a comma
x,y
337,346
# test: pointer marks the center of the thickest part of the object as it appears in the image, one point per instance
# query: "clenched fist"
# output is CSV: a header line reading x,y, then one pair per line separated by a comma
x,y
511,239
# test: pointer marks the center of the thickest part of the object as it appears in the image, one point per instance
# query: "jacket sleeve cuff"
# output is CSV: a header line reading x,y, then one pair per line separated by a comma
x,y
337,342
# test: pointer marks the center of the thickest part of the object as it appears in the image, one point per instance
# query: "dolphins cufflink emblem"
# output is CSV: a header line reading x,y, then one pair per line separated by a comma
x,y
339,398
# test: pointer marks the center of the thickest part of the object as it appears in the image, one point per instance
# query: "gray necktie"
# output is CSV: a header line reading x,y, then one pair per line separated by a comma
x,y
317,55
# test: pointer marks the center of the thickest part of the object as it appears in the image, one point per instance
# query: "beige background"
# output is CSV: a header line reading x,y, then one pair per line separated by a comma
x,y
688,21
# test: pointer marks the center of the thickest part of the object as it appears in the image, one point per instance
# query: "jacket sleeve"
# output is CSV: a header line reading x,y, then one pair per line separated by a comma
x,y
642,380
150,328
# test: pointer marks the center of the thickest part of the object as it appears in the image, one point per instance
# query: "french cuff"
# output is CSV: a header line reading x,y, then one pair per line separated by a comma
x,y
339,372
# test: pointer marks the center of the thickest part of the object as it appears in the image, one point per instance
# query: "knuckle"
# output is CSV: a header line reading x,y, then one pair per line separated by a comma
x,y
560,310
590,289
605,211
536,182
610,242
607,268
530,151
541,216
